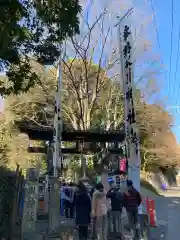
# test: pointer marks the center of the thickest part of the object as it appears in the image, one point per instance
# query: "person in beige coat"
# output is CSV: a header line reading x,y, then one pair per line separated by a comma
x,y
99,211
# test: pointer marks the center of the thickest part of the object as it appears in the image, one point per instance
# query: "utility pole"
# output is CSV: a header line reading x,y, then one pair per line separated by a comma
x,y
57,131
53,182
127,75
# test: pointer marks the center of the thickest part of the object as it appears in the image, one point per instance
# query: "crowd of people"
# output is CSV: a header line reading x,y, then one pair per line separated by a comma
x,y
89,207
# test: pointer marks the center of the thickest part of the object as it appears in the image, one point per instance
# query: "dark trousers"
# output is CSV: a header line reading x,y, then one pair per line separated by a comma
x,y
116,221
62,207
69,209
83,232
133,219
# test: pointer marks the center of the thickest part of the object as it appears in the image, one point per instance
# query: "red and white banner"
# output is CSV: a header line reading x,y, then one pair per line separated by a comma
x,y
122,165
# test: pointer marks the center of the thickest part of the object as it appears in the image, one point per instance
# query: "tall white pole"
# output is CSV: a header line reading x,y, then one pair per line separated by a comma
x,y
57,131
131,133
126,110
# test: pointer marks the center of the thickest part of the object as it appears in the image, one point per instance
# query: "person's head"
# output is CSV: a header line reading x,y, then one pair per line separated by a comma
x,y
129,184
81,186
71,184
99,187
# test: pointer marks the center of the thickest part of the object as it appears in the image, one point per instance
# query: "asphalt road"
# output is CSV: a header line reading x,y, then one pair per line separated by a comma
x,y
168,215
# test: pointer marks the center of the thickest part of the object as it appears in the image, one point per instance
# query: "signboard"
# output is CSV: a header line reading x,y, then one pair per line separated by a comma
x,y
122,165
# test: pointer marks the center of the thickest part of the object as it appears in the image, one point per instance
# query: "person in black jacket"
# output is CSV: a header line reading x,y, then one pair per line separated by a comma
x,y
67,202
72,189
117,202
82,203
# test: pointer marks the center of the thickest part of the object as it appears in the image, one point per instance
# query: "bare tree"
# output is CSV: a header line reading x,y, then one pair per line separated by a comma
x,y
87,82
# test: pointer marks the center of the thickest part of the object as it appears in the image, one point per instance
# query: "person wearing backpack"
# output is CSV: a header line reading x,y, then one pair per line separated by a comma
x,y
132,200
117,202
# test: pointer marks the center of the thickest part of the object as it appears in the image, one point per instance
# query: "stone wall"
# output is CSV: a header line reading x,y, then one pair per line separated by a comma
x,y
158,178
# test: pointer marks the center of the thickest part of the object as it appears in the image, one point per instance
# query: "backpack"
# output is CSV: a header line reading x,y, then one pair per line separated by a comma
x,y
134,197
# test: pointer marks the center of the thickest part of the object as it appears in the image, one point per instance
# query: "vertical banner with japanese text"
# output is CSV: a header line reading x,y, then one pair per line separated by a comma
x,y
132,138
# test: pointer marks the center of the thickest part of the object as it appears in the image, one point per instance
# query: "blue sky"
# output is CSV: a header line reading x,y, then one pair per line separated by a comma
x,y
171,87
